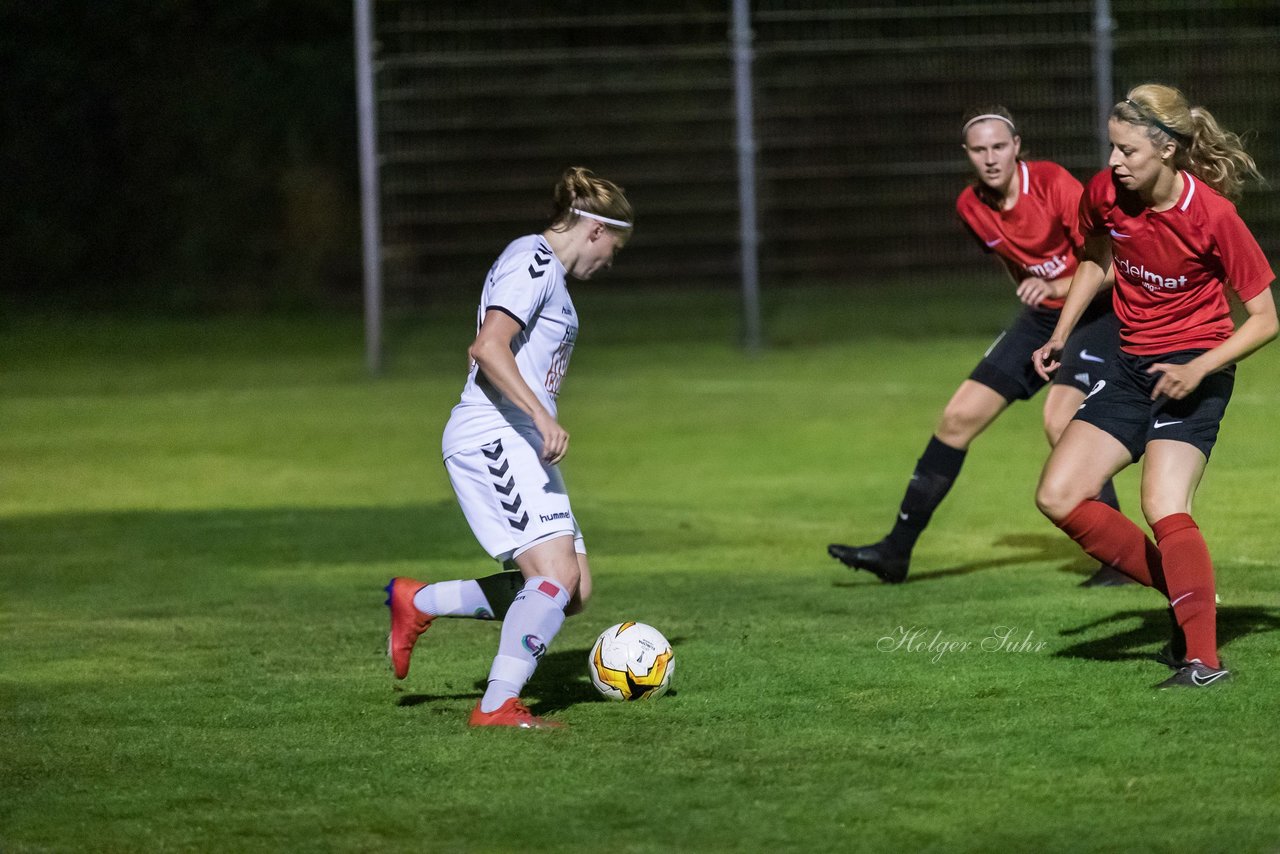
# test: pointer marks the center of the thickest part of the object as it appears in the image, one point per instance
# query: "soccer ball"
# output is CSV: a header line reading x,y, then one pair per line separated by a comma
x,y
631,661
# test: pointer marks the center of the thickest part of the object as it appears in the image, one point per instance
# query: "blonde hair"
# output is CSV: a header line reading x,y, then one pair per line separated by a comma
x,y
1212,153
581,191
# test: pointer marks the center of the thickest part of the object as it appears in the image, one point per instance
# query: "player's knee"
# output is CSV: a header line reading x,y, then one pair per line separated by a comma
x,y
1156,507
958,426
567,577
1055,499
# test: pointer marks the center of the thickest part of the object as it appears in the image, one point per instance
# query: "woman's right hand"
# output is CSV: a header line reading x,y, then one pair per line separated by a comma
x,y
1046,359
1032,291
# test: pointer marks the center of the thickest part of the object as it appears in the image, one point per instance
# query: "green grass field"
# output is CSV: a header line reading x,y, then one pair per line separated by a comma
x,y
197,519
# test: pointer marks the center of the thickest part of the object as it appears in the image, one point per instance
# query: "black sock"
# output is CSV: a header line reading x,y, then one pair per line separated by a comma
x,y
501,589
1177,639
1108,495
935,471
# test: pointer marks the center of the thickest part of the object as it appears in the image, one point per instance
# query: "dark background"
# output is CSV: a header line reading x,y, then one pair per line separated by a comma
x,y
178,154
170,155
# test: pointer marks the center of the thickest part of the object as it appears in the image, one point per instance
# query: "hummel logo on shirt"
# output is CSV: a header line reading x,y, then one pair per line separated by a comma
x,y
536,272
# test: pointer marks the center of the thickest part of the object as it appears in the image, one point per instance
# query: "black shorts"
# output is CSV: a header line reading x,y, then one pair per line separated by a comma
x,y
1093,346
1120,404
1007,369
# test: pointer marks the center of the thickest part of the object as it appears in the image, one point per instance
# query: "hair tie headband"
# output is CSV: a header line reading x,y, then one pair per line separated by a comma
x,y
982,118
1178,136
616,223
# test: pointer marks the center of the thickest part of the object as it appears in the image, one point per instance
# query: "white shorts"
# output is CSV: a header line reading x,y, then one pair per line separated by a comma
x,y
511,498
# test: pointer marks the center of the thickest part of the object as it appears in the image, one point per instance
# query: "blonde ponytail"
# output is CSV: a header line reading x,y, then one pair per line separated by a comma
x,y
581,192
1210,152
1218,157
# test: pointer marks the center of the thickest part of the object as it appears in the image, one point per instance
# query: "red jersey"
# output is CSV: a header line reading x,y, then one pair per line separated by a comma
x,y
1173,266
1039,234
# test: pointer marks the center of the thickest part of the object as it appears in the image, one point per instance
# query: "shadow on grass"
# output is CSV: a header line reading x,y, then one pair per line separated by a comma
x,y
1152,628
1034,548
277,537
246,537
560,681
410,700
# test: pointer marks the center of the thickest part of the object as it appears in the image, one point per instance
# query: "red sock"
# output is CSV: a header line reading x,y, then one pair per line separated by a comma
x,y
1111,537
1189,571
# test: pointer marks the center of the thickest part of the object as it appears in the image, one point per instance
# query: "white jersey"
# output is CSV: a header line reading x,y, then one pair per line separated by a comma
x,y
527,282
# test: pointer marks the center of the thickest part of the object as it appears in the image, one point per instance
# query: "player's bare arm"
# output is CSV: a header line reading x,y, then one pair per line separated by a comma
x,y
492,353
1085,285
1031,290
1260,327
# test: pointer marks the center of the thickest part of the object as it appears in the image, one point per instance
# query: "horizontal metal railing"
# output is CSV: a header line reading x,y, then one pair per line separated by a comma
x,y
481,104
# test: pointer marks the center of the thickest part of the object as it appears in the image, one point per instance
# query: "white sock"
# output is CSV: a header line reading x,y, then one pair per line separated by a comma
x,y
531,624
453,599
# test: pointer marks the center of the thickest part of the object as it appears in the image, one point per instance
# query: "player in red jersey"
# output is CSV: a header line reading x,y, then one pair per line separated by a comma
x,y
1025,213
1160,214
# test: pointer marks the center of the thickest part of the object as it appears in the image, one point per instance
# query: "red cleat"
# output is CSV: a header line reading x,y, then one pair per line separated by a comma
x,y
511,713
407,622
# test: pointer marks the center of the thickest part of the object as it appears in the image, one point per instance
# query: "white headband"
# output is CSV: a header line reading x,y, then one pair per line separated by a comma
x,y
617,223
982,118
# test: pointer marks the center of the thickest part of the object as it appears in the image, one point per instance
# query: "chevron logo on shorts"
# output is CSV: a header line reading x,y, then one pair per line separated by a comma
x,y
494,451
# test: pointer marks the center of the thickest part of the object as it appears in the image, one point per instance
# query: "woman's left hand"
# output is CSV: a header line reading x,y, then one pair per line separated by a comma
x,y
1177,381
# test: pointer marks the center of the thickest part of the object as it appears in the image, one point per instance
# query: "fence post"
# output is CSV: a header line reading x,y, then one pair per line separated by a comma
x,y
1103,60
749,238
370,214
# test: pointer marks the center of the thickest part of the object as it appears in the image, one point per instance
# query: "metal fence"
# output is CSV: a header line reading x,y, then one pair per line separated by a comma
x,y
480,104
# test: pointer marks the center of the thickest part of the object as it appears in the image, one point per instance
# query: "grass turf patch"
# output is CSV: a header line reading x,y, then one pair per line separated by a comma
x,y
196,522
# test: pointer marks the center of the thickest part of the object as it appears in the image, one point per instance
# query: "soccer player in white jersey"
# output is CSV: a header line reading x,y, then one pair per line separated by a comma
x,y
503,443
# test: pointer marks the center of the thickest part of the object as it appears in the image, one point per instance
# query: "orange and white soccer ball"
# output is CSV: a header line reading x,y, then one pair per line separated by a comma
x,y
631,661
